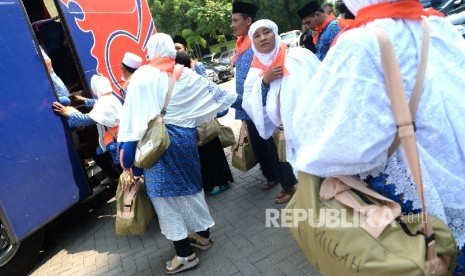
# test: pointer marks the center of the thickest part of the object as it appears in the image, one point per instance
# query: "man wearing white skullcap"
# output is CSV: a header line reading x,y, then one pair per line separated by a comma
x,y
131,62
345,124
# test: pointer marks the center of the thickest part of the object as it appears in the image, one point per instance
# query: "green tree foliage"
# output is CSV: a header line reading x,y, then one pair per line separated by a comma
x,y
194,39
212,18
170,15
282,12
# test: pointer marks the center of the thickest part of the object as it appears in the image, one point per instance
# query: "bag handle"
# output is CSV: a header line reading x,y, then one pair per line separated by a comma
x,y
176,74
405,123
240,144
377,217
129,192
418,88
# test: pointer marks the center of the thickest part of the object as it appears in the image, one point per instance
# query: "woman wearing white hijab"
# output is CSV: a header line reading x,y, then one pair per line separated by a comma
x,y
276,71
105,112
174,182
344,122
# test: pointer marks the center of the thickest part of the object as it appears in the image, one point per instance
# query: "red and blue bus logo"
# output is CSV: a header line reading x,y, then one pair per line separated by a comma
x,y
104,30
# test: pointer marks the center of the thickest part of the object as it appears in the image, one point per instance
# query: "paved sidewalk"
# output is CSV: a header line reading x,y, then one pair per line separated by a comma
x,y
88,245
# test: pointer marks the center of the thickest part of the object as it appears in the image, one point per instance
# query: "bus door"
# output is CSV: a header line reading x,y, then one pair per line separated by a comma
x,y
41,174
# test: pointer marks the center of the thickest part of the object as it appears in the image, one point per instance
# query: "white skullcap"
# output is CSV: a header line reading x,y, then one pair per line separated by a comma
x,y
132,60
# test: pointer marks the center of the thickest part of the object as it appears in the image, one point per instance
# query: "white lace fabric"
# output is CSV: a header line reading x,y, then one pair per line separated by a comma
x,y
179,216
344,121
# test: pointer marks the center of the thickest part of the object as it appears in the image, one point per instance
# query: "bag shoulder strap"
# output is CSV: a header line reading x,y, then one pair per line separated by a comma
x,y
405,124
418,88
176,74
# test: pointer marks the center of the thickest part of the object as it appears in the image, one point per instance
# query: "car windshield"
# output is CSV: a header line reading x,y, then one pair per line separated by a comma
x,y
211,56
228,53
288,36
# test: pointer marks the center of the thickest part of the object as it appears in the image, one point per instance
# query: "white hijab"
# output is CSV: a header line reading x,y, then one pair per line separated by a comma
x,y
301,65
160,45
194,100
265,59
107,109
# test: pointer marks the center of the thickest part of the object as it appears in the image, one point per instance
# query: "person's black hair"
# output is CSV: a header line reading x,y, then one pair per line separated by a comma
x,y
309,9
129,69
245,9
181,40
183,58
342,8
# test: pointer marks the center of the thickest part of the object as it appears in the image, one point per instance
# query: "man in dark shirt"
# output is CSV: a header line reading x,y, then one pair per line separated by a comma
x,y
326,27
306,39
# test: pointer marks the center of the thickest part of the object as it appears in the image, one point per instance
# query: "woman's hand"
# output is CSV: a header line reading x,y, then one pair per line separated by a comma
x,y
63,110
272,74
78,99
126,179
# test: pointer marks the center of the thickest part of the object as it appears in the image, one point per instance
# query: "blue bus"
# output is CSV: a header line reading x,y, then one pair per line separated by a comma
x,y
45,167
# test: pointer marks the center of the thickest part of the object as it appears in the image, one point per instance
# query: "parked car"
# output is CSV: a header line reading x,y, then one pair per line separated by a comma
x,y
212,75
211,57
218,72
225,57
291,38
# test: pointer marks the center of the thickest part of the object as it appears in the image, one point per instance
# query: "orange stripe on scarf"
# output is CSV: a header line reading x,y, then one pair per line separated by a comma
x,y
343,23
406,9
277,62
164,64
320,28
242,44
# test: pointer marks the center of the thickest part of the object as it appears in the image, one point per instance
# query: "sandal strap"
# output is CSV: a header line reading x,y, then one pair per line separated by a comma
x,y
178,262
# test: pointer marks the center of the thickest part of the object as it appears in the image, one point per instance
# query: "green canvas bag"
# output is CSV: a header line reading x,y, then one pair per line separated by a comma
x,y
226,136
399,250
280,142
243,157
207,132
134,211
